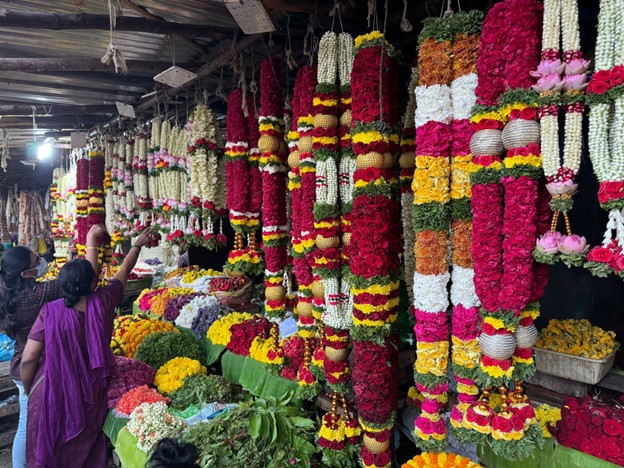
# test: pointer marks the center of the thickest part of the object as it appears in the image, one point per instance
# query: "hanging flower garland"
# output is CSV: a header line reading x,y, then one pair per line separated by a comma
x,y
204,171
241,260
376,246
140,176
82,203
605,94
555,76
465,318
96,210
431,186
505,227
255,176
273,154
130,209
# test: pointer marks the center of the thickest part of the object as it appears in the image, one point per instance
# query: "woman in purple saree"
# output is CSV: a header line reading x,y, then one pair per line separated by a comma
x,y
67,365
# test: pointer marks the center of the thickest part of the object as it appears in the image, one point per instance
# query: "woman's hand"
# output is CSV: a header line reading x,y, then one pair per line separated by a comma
x,y
144,238
94,233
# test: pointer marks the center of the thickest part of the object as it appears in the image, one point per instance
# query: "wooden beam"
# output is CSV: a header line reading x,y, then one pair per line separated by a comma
x,y
322,8
59,22
87,64
16,111
224,57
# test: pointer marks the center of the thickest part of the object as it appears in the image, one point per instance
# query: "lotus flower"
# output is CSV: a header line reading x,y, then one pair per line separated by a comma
x,y
576,66
548,67
549,243
572,244
562,188
577,82
550,82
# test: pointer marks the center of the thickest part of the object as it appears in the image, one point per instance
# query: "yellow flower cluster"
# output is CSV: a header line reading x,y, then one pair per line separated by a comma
x,y
577,337
192,275
180,271
370,37
460,182
431,180
260,348
547,416
129,332
440,460
219,332
171,375
432,358
466,353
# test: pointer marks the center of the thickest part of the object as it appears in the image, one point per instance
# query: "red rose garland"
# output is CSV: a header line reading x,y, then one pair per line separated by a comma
x,y
273,153
96,210
255,176
375,245
82,203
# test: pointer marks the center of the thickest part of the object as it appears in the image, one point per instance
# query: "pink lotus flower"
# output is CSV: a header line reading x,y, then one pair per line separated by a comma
x,y
576,66
572,244
548,67
550,82
549,243
562,188
576,81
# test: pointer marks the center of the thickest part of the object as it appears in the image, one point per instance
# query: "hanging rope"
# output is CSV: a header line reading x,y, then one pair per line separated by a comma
x,y
219,92
309,38
372,11
5,150
449,10
382,126
406,26
113,54
290,61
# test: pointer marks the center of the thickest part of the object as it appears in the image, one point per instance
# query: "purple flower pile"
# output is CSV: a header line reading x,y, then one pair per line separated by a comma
x,y
129,374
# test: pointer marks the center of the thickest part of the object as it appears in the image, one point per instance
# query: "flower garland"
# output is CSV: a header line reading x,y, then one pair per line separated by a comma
x,y
140,174
273,153
255,176
82,204
431,186
465,319
505,227
241,260
374,265
96,209
205,177
561,19
605,94
152,422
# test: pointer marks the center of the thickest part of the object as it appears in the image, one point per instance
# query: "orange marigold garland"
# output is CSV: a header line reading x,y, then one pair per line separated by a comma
x,y
375,245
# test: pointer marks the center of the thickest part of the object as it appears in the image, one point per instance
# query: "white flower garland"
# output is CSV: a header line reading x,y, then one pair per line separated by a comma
x,y
328,58
433,104
430,293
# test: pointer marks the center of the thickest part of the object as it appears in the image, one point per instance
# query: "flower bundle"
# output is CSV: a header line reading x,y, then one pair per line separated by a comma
x,y
175,304
243,335
440,460
170,376
578,338
159,348
206,316
220,333
205,172
130,331
273,153
152,422
376,246
431,221
240,260
129,374
338,437
593,427
136,397
82,203
605,94
547,417
190,310
555,76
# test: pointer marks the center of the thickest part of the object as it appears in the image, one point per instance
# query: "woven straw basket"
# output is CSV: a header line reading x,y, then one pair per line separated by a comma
x,y
526,337
486,143
567,366
497,346
519,133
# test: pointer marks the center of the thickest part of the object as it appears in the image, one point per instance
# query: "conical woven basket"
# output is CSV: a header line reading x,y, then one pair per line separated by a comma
x,y
519,133
486,143
526,337
497,346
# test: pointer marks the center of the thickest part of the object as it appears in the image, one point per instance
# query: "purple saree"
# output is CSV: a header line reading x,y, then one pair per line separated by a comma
x,y
67,405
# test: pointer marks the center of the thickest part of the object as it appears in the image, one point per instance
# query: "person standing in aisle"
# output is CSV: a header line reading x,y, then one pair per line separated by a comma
x,y
67,365
21,299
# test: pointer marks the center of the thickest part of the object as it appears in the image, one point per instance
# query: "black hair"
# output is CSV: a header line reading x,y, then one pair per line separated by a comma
x,y
13,263
75,279
171,453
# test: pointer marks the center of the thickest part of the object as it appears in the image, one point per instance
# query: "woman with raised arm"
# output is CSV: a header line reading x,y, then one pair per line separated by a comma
x,y
67,364
21,299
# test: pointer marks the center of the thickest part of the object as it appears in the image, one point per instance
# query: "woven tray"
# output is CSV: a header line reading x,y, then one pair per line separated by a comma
x,y
567,366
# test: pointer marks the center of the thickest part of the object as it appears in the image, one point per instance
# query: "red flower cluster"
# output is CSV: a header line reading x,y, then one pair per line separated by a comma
x,y
542,225
491,62
237,172
129,374
271,98
433,139
371,459
611,254
138,396
462,133
244,333
255,177
431,327
528,113
593,427
376,242
609,191
604,80
373,377
365,85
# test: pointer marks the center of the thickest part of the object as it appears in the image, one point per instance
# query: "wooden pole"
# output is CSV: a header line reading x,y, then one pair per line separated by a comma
x,y
58,22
